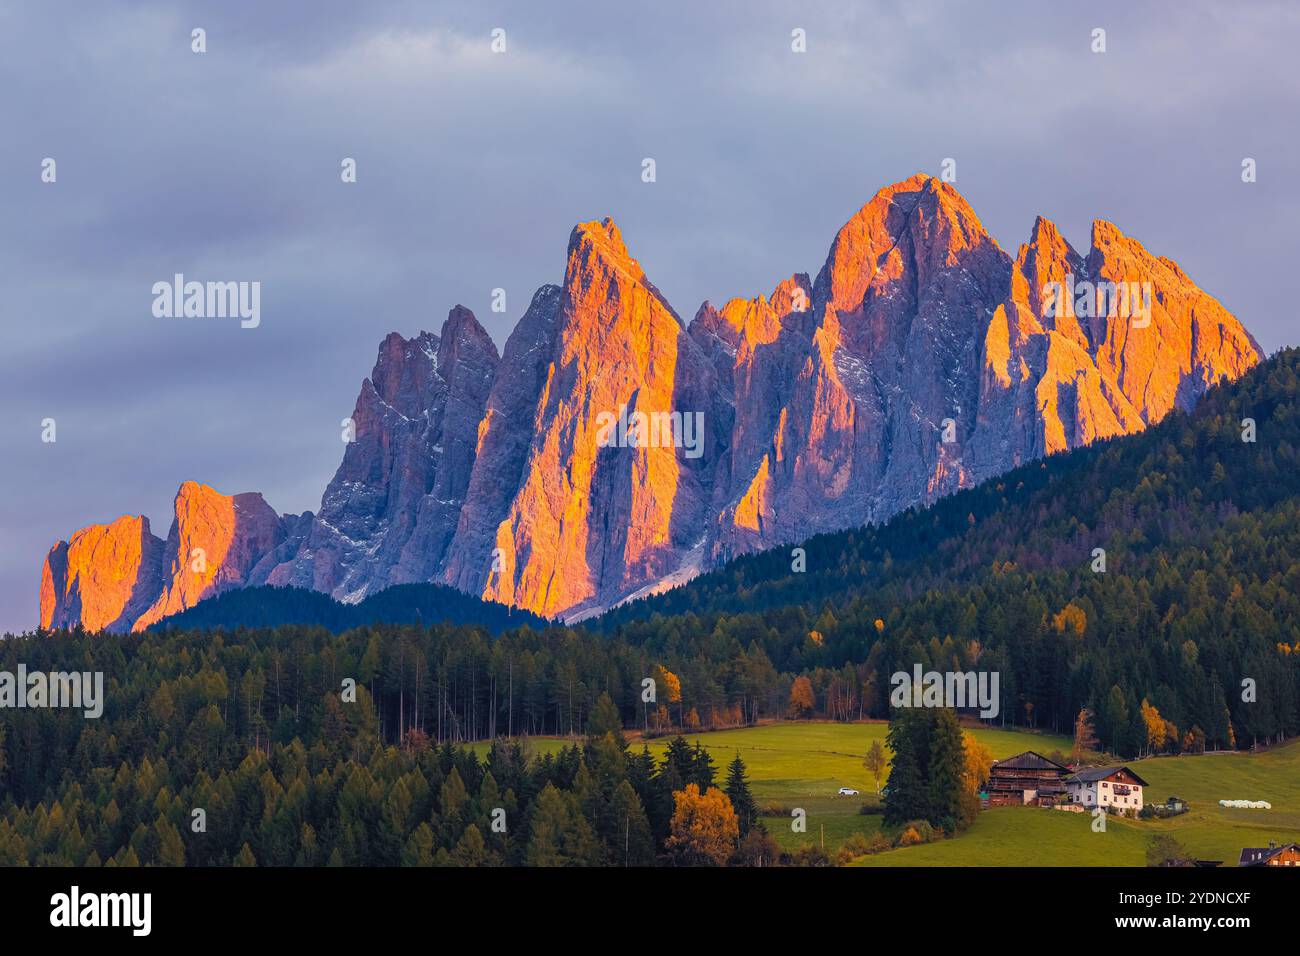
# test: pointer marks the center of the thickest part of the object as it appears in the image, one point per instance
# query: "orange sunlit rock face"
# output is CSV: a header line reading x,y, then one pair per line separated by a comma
x,y
214,543
1068,380
120,577
588,518
921,359
102,577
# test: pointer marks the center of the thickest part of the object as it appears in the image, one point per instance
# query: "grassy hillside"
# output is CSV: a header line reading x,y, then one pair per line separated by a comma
x,y
1014,836
1035,837
804,764
1214,832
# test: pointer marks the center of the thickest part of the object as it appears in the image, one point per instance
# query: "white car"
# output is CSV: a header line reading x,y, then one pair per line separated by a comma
x,y
848,792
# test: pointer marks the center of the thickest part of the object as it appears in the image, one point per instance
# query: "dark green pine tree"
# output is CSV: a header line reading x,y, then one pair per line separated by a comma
x,y
632,843
1217,725
742,801
1136,741
944,771
567,762
905,795
597,783
641,771
559,835
680,759
703,773
1114,720
604,719
653,791
661,805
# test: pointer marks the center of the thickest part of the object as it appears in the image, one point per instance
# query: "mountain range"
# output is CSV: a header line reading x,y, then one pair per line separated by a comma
x,y
920,360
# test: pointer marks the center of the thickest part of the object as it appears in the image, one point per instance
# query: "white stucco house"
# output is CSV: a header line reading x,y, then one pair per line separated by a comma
x,y
1114,788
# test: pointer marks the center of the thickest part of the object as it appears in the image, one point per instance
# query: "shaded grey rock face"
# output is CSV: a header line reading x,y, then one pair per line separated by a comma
x,y
504,440
920,360
390,510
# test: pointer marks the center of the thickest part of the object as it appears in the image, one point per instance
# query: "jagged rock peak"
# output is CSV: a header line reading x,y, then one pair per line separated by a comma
x,y
922,359
596,249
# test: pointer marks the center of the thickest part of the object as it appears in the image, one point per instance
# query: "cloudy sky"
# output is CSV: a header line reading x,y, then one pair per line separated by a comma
x,y
473,167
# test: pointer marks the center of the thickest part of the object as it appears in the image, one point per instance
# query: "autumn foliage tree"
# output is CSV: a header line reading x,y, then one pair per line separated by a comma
x,y
875,761
1071,620
1085,735
704,830
802,699
672,686
1158,730
977,764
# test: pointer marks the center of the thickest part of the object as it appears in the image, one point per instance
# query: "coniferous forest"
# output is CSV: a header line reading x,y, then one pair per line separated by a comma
x,y
1154,574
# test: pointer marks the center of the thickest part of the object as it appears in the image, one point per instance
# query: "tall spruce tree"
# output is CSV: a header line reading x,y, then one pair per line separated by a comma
x,y
679,758
945,771
702,772
742,800
604,719
559,835
905,796
631,843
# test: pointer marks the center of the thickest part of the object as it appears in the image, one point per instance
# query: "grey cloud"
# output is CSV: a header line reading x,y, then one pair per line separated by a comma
x,y
474,167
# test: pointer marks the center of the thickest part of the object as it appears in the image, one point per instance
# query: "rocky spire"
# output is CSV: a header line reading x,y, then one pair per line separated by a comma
x,y
922,359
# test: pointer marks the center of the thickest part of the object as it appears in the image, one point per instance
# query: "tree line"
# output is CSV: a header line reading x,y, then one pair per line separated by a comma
x,y
345,799
1183,633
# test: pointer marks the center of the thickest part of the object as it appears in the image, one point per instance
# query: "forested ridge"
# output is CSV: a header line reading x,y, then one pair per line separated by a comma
x,y
1201,587
1172,483
1198,595
182,783
269,606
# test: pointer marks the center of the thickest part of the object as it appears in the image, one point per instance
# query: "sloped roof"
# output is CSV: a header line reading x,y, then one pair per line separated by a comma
x,y
1258,855
1104,773
1029,760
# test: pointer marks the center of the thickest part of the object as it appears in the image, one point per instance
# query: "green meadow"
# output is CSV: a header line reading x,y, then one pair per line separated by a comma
x,y
1212,832
802,765
1012,836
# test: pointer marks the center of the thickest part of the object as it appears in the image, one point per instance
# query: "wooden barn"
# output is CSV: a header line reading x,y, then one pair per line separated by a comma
x,y
1026,780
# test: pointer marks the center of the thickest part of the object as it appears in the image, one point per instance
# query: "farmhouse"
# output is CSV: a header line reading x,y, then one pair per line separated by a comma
x,y
1027,779
1117,788
1272,855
